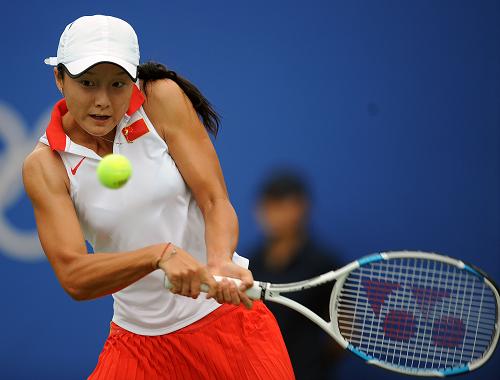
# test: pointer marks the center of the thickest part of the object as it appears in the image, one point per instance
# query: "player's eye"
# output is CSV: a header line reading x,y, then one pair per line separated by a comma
x,y
118,84
86,83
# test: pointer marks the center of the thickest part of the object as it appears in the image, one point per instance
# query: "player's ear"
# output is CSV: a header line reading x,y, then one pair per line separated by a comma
x,y
59,80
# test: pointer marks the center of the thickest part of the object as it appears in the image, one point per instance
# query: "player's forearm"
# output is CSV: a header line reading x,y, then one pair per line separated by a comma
x,y
94,275
221,230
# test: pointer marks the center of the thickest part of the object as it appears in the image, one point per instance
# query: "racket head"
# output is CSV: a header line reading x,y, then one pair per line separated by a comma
x,y
416,313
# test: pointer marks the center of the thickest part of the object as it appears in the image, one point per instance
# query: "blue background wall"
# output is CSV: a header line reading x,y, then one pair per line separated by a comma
x,y
390,108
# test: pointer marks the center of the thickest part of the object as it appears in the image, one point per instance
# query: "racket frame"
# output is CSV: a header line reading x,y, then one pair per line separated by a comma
x,y
273,293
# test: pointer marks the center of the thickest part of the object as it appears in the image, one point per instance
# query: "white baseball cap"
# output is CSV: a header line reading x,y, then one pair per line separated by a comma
x,y
90,40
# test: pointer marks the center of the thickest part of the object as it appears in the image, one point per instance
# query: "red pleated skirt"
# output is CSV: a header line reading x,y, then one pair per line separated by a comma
x,y
229,343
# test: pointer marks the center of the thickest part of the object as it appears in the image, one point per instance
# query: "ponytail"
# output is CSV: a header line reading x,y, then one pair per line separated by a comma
x,y
151,71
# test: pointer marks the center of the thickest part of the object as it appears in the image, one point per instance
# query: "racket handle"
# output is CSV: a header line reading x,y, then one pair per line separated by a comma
x,y
255,292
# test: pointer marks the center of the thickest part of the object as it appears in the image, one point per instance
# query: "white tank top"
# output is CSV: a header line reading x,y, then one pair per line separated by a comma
x,y
155,206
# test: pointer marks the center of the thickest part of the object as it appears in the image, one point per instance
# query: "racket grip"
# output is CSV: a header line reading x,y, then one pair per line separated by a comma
x,y
255,292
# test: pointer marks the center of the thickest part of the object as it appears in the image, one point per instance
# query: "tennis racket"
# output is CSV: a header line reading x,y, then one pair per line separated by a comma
x,y
416,313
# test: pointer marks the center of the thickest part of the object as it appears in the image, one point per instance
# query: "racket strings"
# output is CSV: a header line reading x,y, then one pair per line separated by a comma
x,y
417,313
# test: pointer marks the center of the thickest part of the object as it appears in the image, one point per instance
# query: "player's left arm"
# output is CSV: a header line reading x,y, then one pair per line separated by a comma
x,y
177,122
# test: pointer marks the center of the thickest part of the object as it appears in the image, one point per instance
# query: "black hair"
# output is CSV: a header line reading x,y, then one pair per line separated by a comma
x,y
150,71
283,184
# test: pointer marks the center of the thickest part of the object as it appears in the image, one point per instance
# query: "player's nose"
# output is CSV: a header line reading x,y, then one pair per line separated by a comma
x,y
101,99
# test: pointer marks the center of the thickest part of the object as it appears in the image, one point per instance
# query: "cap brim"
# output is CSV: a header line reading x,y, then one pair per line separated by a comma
x,y
51,61
78,67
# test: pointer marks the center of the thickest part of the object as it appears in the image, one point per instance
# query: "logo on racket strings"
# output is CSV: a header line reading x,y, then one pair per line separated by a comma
x,y
424,316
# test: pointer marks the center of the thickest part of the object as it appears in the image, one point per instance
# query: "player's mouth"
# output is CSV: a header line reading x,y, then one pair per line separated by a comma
x,y
100,117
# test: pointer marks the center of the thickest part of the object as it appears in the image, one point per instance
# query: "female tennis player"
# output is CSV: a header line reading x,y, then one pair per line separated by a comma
x,y
173,217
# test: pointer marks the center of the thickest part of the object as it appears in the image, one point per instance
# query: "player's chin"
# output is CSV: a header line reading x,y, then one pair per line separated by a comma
x,y
100,129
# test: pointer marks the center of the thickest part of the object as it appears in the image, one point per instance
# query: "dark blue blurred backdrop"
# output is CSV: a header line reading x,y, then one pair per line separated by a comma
x,y
391,109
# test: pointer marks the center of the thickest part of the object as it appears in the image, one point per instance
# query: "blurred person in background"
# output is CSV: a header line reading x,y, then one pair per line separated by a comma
x,y
290,253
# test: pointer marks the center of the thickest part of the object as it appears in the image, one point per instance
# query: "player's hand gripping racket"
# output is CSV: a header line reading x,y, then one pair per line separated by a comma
x,y
416,313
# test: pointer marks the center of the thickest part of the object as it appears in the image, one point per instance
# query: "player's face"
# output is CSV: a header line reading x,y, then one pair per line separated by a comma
x,y
99,98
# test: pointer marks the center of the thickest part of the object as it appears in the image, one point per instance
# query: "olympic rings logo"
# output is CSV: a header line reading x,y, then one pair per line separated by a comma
x,y
17,143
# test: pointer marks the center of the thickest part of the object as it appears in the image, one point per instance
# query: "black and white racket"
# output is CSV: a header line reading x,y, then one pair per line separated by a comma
x,y
416,313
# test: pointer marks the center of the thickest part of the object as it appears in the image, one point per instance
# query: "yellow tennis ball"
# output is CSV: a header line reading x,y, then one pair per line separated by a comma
x,y
114,171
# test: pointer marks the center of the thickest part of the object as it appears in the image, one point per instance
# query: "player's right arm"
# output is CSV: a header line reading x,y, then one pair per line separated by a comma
x,y
86,276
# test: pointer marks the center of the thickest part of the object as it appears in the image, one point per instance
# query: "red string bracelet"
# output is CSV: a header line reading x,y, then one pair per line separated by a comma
x,y
162,254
